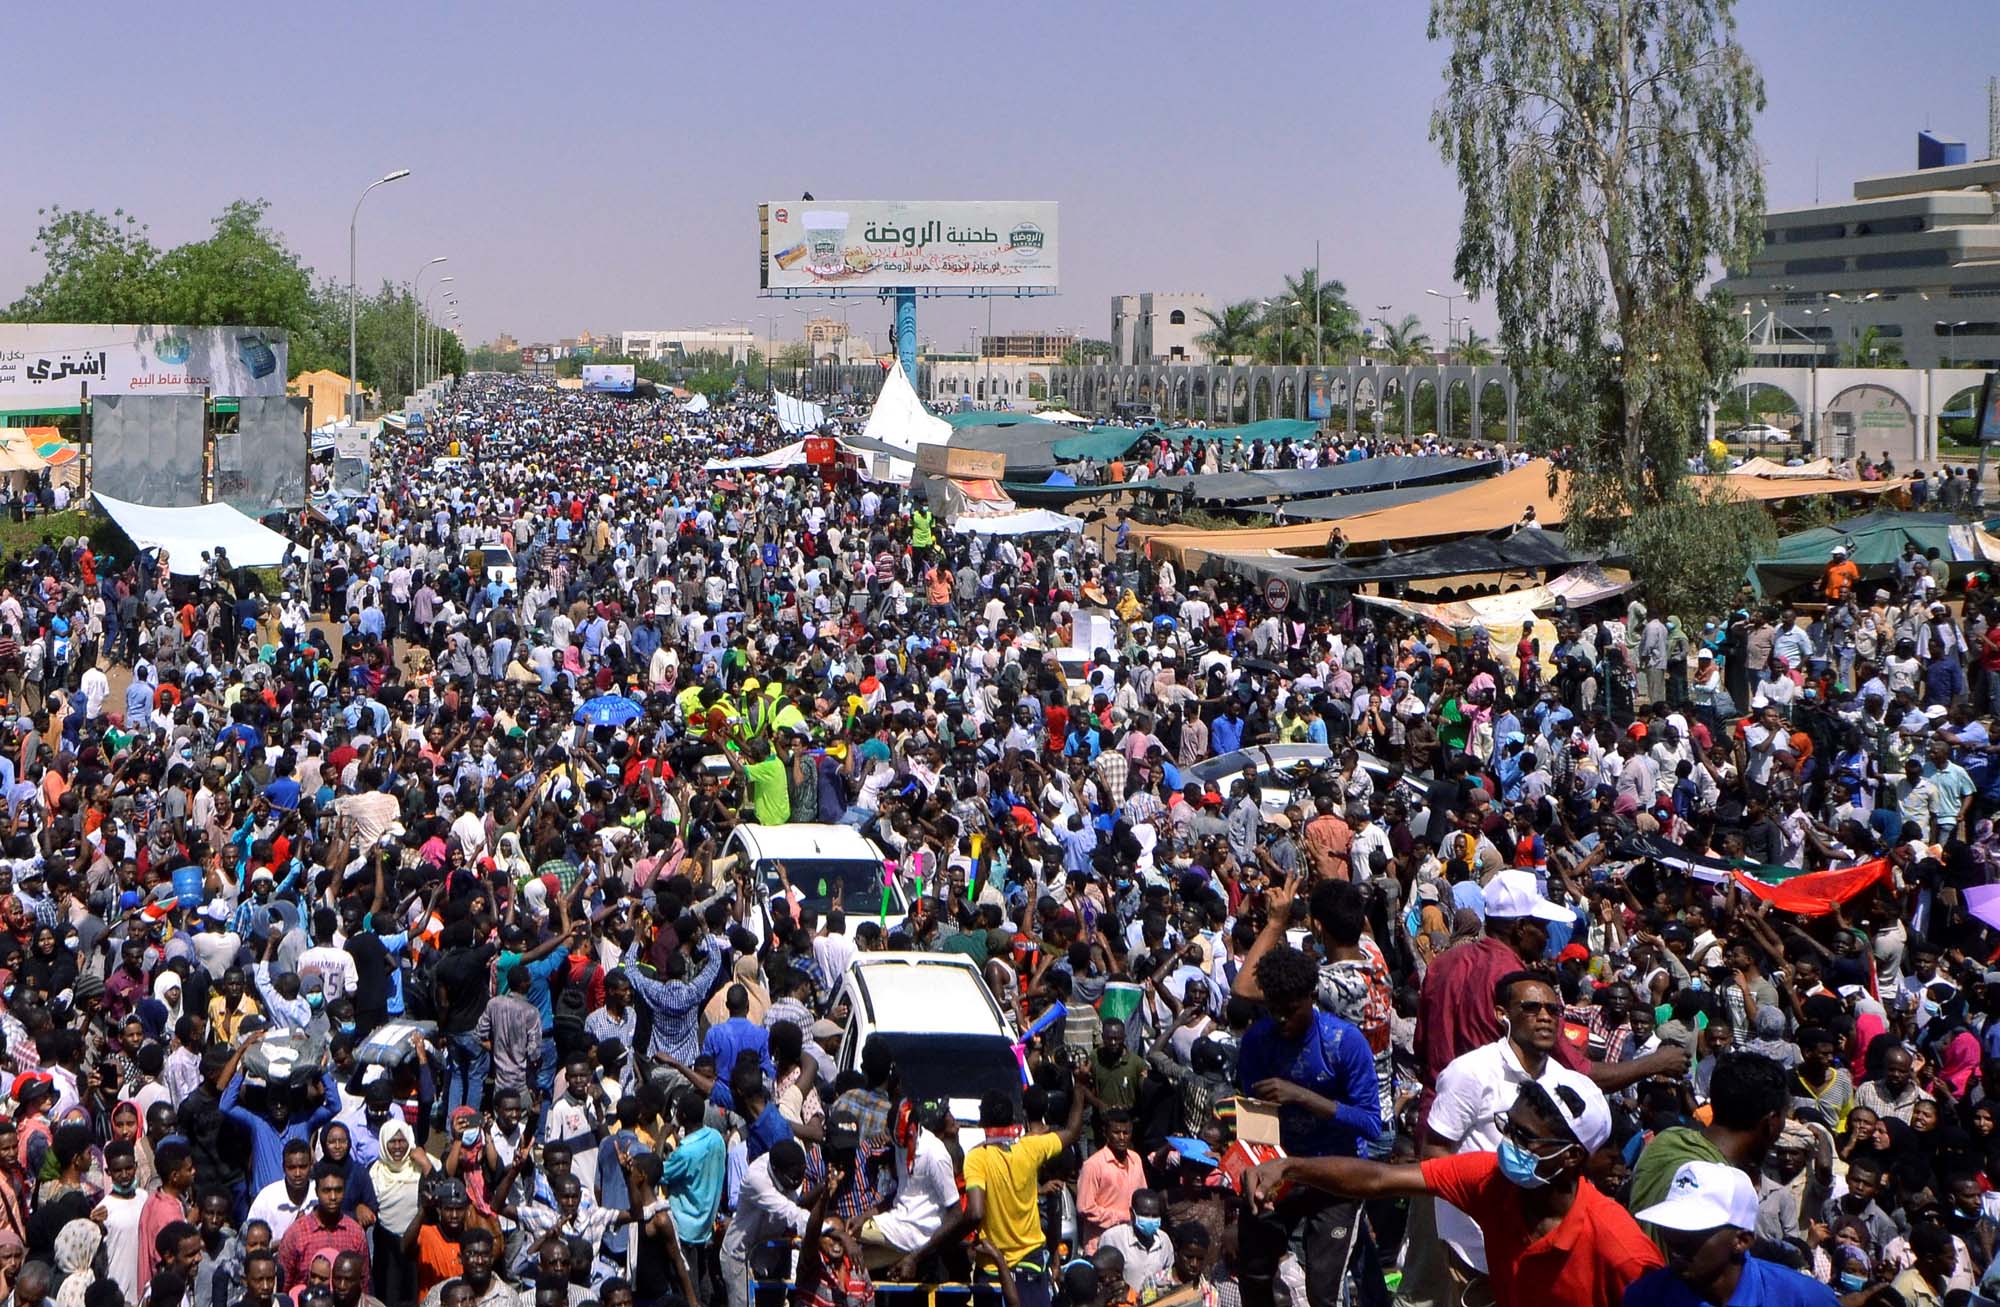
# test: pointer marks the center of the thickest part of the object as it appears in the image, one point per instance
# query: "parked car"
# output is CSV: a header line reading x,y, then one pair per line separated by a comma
x,y
950,1039
817,856
1274,773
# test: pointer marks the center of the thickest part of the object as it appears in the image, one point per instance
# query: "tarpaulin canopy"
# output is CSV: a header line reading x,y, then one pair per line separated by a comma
x,y
1474,555
1327,508
1100,443
1063,416
1578,589
900,420
185,532
795,415
18,453
1874,541
1484,505
1764,467
1270,430
1362,474
1028,521
985,417
792,455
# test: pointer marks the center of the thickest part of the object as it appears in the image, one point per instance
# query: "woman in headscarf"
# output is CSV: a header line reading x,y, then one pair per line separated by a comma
x,y
743,972
398,1175
167,989
76,1257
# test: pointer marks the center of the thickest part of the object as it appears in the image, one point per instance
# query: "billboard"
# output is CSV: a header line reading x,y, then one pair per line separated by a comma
x,y
47,365
1986,423
827,244
147,449
608,378
261,466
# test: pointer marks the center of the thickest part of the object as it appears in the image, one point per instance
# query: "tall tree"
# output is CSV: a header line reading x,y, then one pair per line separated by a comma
x,y
1406,341
1604,151
97,268
1475,350
1232,332
1324,314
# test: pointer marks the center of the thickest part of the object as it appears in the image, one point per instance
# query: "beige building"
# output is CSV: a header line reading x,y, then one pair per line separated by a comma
x,y
1158,328
325,393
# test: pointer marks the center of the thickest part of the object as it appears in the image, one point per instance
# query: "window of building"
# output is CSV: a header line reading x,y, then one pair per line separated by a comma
x,y
1177,318
1827,231
1902,259
1807,267
1890,226
1969,329
1177,352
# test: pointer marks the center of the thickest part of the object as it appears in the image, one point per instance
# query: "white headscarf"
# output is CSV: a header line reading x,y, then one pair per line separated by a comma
x,y
398,1203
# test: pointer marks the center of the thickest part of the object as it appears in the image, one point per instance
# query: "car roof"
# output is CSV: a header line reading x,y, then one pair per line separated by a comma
x,y
924,993
1282,756
808,839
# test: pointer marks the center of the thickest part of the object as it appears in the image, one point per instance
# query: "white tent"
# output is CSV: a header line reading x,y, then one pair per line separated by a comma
x,y
1026,522
185,532
899,418
1063,416
792,455
696,403
796,416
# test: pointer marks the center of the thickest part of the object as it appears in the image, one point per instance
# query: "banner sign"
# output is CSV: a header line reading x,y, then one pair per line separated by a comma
x,y
609,378
147,449
49,364
1987,428
261,466
808,244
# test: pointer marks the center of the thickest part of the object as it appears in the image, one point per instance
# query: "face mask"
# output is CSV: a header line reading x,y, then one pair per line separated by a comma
x,y
470,1138
347,1027
125,1190
72,943
1146,1226
1520,1166
1852,1283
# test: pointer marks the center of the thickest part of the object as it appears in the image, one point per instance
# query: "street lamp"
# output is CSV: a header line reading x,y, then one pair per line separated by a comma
x,y
1839,298
1450,340
416,362
353,292
427,315
1951,339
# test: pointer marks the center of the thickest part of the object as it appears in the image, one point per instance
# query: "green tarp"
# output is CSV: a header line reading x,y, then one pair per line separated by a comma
x,y
1269,430
979,417
1100,443
1874,541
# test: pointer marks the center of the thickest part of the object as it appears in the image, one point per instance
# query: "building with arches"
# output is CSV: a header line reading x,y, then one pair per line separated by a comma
x,y
1853,411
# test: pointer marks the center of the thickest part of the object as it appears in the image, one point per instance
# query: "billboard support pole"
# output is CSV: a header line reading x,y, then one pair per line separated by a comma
x,y
906,331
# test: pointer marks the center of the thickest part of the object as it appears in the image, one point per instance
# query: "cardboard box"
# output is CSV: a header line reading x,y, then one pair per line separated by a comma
x,y
961,464
1256,1141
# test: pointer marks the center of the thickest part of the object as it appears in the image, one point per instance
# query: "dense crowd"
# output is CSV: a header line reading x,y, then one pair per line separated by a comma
x,y
380,937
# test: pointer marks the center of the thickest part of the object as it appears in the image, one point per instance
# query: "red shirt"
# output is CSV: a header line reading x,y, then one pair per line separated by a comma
x,y
1586,1261
1455,1010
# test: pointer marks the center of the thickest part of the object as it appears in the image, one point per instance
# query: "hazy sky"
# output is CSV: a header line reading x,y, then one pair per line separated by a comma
x,y
599,166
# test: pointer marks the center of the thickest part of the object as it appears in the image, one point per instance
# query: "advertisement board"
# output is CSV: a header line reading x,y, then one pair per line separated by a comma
x,y
608,378
49,364
824,244
1987,429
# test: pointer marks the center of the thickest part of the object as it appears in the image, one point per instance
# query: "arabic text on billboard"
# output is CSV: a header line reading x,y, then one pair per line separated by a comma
x,y
873,243
49,364
609,378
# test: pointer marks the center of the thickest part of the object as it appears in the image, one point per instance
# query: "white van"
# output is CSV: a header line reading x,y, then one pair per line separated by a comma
x,y
818,856
950,1040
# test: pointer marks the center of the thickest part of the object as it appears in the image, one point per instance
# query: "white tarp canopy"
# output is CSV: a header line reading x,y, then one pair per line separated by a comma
x,y
1764,467
185,532
697,403
1578,587
795,415
1026,522
792,455
899,418
1063,416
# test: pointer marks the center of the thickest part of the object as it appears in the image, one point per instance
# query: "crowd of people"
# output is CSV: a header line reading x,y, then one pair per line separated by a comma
x,y
373,936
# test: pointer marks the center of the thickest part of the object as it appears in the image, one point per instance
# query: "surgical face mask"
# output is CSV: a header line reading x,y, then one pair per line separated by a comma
x,y
469,1138
1520,1166
1146,1226
125,1190
347,1027
1852,1283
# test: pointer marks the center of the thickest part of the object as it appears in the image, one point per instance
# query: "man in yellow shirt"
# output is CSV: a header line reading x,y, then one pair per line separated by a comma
x,y
1003,1177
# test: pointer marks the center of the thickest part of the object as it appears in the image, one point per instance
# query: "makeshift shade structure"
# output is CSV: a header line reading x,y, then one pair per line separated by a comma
x,y
1578,589
792,455
1100,443
608,710
697,403
1764,467
185,532
1874,542
796,416
1063,416
900,420
1028,521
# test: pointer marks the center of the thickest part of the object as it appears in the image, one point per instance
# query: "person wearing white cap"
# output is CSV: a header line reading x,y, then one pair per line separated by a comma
x,y
1708,1221
1551,1238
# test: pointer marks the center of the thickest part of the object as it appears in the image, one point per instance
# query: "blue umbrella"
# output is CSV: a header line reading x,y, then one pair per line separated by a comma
x,y
609,710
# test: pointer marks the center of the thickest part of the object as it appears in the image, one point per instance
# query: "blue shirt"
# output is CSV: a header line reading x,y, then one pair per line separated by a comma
x,y
1762,1284
267,1142
1225,734
539,972
1331,1059
692,1175
729,1040
771,1129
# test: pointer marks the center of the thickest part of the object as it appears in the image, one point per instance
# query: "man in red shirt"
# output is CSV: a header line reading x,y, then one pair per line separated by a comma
x,y
1551,1237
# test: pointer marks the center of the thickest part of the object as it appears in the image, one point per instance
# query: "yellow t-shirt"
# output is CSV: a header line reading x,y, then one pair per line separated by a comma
x,y
1011,1178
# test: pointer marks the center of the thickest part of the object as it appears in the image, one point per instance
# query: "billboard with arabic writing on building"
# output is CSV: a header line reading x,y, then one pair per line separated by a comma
x,y
831,244
45,366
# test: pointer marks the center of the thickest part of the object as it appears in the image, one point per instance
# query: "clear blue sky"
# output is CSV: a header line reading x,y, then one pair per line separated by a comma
x,y
599,166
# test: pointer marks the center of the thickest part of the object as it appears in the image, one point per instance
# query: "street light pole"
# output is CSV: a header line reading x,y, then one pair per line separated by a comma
x,y
354,293
416,361
1450,339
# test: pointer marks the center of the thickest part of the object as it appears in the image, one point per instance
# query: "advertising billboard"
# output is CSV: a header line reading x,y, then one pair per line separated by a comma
x,y
608,378
828,244
46,366
1987,420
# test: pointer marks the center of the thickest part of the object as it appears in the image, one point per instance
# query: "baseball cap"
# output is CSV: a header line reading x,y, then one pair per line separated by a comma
x,y
451,1192
1591,1124
1840,551
1705,1196
1514,894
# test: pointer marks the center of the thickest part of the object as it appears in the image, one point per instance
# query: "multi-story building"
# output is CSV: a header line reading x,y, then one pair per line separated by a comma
x,y
504,343
1909,268
1036,346
735,342
1158,328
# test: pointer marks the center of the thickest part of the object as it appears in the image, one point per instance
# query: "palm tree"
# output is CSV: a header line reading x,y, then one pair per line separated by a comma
x,y
1406,341
1323,311
1475,351
1874,350
1230,332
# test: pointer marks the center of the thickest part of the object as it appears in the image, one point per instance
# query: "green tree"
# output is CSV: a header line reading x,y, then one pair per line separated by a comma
x,y
1689,547
1323,316
1232,332
493,360
1406,342
1604,152
1475,351
243,273
1087,351
795,354
1872,349
97,268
